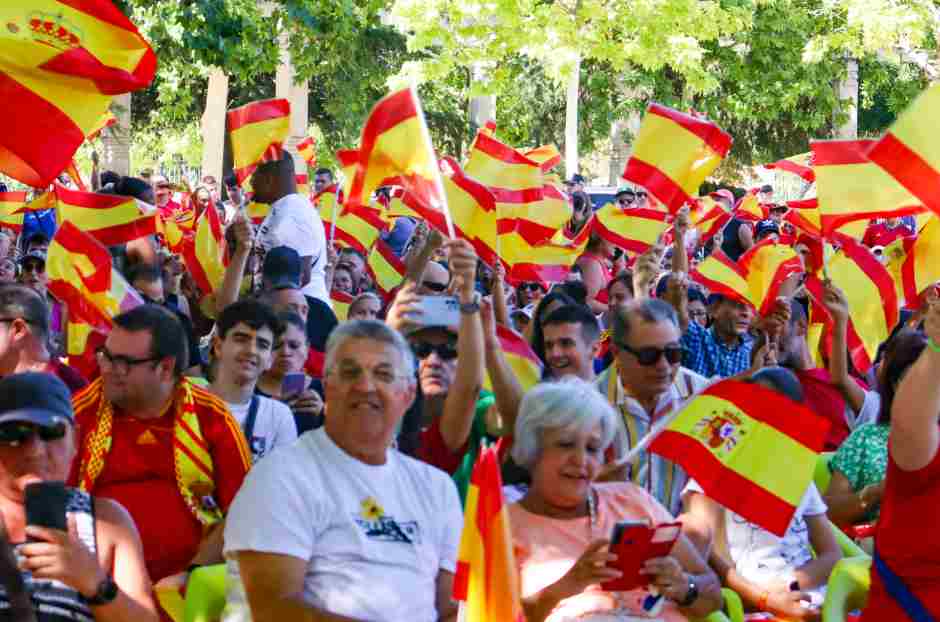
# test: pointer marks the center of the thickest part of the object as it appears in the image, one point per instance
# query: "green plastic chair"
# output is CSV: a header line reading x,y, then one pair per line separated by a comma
x,y
847,589
205,594
823,473
847,544
733,610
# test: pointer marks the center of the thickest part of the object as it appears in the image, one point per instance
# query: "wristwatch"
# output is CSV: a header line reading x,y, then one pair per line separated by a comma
x,y
107,592
468,308
691,596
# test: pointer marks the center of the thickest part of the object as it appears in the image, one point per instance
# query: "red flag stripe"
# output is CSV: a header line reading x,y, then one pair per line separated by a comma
x,y
514,343
909,169
840,152
528,195
878,274
493,148
805,172
655,179
716,139
257,112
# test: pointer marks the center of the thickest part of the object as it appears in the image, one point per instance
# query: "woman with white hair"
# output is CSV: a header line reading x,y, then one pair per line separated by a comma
x,y
560,528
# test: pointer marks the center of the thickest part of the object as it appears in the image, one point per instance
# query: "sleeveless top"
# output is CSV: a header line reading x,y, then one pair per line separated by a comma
x,y
731,244
601,295
54,601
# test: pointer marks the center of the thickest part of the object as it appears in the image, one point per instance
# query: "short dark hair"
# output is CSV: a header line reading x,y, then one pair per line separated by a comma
x,y
323,171
132,187
625,277
109,177
781,380
577,290
168,338
230,180
148,273
289,318
252,313
649,310
575,314
900,352
20,301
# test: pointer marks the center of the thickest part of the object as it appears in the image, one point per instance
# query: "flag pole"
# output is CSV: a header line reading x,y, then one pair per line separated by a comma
x,y
436,169
647,440
333,217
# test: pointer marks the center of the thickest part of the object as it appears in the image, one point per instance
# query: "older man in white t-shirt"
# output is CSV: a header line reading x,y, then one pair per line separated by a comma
x,y
292,222
339,525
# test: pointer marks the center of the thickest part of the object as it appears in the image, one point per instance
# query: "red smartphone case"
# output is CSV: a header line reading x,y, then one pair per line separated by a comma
x,y
636,545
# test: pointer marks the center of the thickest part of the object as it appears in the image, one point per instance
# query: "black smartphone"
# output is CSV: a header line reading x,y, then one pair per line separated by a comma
x,y
46,503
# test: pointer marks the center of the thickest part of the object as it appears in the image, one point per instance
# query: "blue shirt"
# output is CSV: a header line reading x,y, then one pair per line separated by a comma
x,y
708,356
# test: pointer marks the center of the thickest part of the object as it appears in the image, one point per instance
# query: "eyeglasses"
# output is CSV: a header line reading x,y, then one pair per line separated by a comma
x,y
119,363
532,287
445,351
628,198
650,356
33,266
434,287
15,433
352,375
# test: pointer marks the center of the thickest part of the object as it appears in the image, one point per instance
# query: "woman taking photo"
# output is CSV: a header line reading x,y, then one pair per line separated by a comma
x,y
560,529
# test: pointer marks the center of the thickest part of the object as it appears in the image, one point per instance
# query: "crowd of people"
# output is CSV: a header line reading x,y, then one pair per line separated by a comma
x,y
325,462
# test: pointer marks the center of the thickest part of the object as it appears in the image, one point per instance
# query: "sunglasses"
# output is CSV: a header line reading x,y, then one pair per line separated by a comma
x,y
532,287
434,287
445,351
15,433
650,356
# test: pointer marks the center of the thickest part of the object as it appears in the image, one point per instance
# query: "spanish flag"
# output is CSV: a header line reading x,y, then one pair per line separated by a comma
x,y
83,341
173,236
674,153
385,268
303,184
486,582
805,215
341,302
722,276
799,165
548,262
525,364
851,187
396,148
257,132
82,277
11,210
257,212
631,229
768,265
708,218
547,156
750,448
111,219
358,227
307,150
61,63
748,208
909,151
915,262
104,121
872,298
205,256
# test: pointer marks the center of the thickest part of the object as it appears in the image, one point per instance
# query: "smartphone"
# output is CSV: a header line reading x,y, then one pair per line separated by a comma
x,y
293,384
46,504
439,311
636,543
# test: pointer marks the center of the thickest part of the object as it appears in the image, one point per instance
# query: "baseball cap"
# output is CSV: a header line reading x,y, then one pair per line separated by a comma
x,y
627,191
35,254
577,178
766,188
723,193
767,226
32,397
281,268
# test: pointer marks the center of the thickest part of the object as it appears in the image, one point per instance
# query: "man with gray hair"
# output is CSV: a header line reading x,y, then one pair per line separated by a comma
x,y
646,383
339,525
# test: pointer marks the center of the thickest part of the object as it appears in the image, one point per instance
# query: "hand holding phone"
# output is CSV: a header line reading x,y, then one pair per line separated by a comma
x,y
45,505
634,543
292,384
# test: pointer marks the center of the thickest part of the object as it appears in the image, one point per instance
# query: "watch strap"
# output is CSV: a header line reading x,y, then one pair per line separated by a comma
x,y
107,592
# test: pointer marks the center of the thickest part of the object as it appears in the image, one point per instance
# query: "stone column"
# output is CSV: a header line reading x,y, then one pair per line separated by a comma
x,y
296,93
571,120
482,109
847,90
213,124
115,140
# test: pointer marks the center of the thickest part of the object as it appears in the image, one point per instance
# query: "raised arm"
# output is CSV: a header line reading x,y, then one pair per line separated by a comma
x,y
231,282
837,305
507,391
500,308
915,435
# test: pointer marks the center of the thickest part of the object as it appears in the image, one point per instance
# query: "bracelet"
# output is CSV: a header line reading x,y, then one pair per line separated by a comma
x,y
762,601
933,344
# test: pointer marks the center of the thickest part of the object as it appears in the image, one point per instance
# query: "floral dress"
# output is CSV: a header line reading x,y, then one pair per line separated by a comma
x,y
863,459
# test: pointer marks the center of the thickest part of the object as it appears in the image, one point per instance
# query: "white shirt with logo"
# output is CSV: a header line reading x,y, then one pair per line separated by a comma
x,y
274,425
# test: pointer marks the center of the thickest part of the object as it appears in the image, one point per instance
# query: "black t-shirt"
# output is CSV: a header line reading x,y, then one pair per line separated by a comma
x,y
320,323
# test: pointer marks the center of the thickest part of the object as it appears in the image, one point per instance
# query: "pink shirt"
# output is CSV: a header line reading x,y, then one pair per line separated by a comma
x,y
546,548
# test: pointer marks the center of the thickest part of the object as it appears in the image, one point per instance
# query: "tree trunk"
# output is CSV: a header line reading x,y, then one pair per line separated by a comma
x,y
213,124
482,109
115,140
571,121
848,96
296,93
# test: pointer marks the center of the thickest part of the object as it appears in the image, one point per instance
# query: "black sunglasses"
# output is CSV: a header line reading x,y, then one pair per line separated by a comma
x,y
445,351
533,286
650,356
14,433
434,287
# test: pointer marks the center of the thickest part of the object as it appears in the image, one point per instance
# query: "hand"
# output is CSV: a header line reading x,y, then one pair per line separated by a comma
x,y
932,316
774,323
668,576
60,555
786,603
835,302
677,289
244,236
590,569
307,403
405,309
499,274
766,356
682,223
462,260
872,493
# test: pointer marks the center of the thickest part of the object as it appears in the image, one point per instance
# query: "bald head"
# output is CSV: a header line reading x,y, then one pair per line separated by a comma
x,y
275,179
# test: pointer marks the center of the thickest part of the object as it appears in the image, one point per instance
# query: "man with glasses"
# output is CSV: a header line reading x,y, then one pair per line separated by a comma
x,y
625,198
167,450
435,280
339,525
24,333
645,384
33,271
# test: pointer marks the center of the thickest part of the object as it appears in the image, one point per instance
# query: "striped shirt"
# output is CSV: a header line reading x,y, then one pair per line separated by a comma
x,y
705,354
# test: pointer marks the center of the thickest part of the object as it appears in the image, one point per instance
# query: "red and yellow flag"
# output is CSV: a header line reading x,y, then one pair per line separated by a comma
x,y
75,176
547,156
307,150
799,165
850,187
61,63
723,438
206,255
673,154
386,268
748,208
11,210
486,582
632,229
548,262
341,302
722,276
303,184
525,363
914,263
257,212
709,217
755,278
806,216
358,227
82,277
111,219
909,151
105,121
257,132
395,148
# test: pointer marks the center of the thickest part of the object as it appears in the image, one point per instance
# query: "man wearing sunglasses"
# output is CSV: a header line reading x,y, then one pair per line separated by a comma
x,y
134,422
435,280
94,570
625,198
645,384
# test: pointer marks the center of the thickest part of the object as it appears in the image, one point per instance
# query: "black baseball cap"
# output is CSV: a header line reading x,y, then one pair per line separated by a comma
x,y
627,191
36,254
766,188
577,178
767,226
37,398
281,269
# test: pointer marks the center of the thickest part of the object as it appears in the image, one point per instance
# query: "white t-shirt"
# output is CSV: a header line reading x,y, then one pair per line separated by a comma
x,y
294,222
761,556
374,537
274,425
